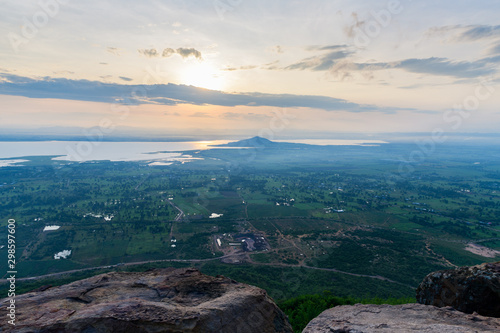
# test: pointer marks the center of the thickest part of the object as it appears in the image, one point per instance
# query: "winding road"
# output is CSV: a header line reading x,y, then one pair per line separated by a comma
x,y
378,277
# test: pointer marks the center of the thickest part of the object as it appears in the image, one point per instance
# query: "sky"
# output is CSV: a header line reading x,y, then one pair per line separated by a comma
x,y
235,68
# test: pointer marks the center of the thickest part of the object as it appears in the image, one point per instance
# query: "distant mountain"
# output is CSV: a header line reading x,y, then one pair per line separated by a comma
x,y
259,142
256,141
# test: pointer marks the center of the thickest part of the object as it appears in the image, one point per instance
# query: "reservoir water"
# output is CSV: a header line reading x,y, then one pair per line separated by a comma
x,y
100,151
159,153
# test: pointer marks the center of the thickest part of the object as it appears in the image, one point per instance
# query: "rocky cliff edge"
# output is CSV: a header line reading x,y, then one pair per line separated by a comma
x,y
167,300
368,318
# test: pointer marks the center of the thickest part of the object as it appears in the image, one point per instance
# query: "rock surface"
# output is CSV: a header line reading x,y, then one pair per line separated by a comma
x,y
167,300
467,289
368,318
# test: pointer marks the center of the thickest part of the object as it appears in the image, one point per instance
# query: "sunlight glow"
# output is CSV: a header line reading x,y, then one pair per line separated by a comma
x,y
203,75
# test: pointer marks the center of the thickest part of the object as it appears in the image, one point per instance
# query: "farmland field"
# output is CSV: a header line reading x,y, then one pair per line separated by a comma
x,y
343,219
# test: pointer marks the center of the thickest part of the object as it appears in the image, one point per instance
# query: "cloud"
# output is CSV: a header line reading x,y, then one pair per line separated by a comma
x,y
200,115
466,33
278,49
167,94
231,115
350,30
339,62
186,53
445,67
491,60
124,78
243,68
327,47
171,113
320,63
495,49
480,31
246,116
272,65
113,50
343,70
63,72
149,53
167,52
433,66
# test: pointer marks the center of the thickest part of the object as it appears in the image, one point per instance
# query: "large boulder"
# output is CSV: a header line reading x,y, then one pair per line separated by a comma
x,y
467,289
368,318
168,300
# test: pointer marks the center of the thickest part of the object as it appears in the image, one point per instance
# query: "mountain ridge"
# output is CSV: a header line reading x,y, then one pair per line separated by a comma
x,y
259,142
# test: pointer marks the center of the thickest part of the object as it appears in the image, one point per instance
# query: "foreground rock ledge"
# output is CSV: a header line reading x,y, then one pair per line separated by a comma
x,y
167,300
399,318
467,289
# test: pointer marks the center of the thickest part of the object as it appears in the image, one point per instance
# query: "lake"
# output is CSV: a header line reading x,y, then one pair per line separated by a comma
x,y
83,151
160,153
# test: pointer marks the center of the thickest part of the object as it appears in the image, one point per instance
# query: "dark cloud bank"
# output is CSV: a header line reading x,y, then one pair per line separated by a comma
x,y
167,94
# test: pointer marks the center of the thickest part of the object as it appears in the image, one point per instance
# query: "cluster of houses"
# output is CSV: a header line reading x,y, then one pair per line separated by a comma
x,y
332,210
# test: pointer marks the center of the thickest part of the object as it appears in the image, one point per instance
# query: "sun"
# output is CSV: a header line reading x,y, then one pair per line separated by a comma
x,y
204,76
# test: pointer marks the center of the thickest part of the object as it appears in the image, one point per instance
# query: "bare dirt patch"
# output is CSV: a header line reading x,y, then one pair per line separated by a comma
x,y
482,250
